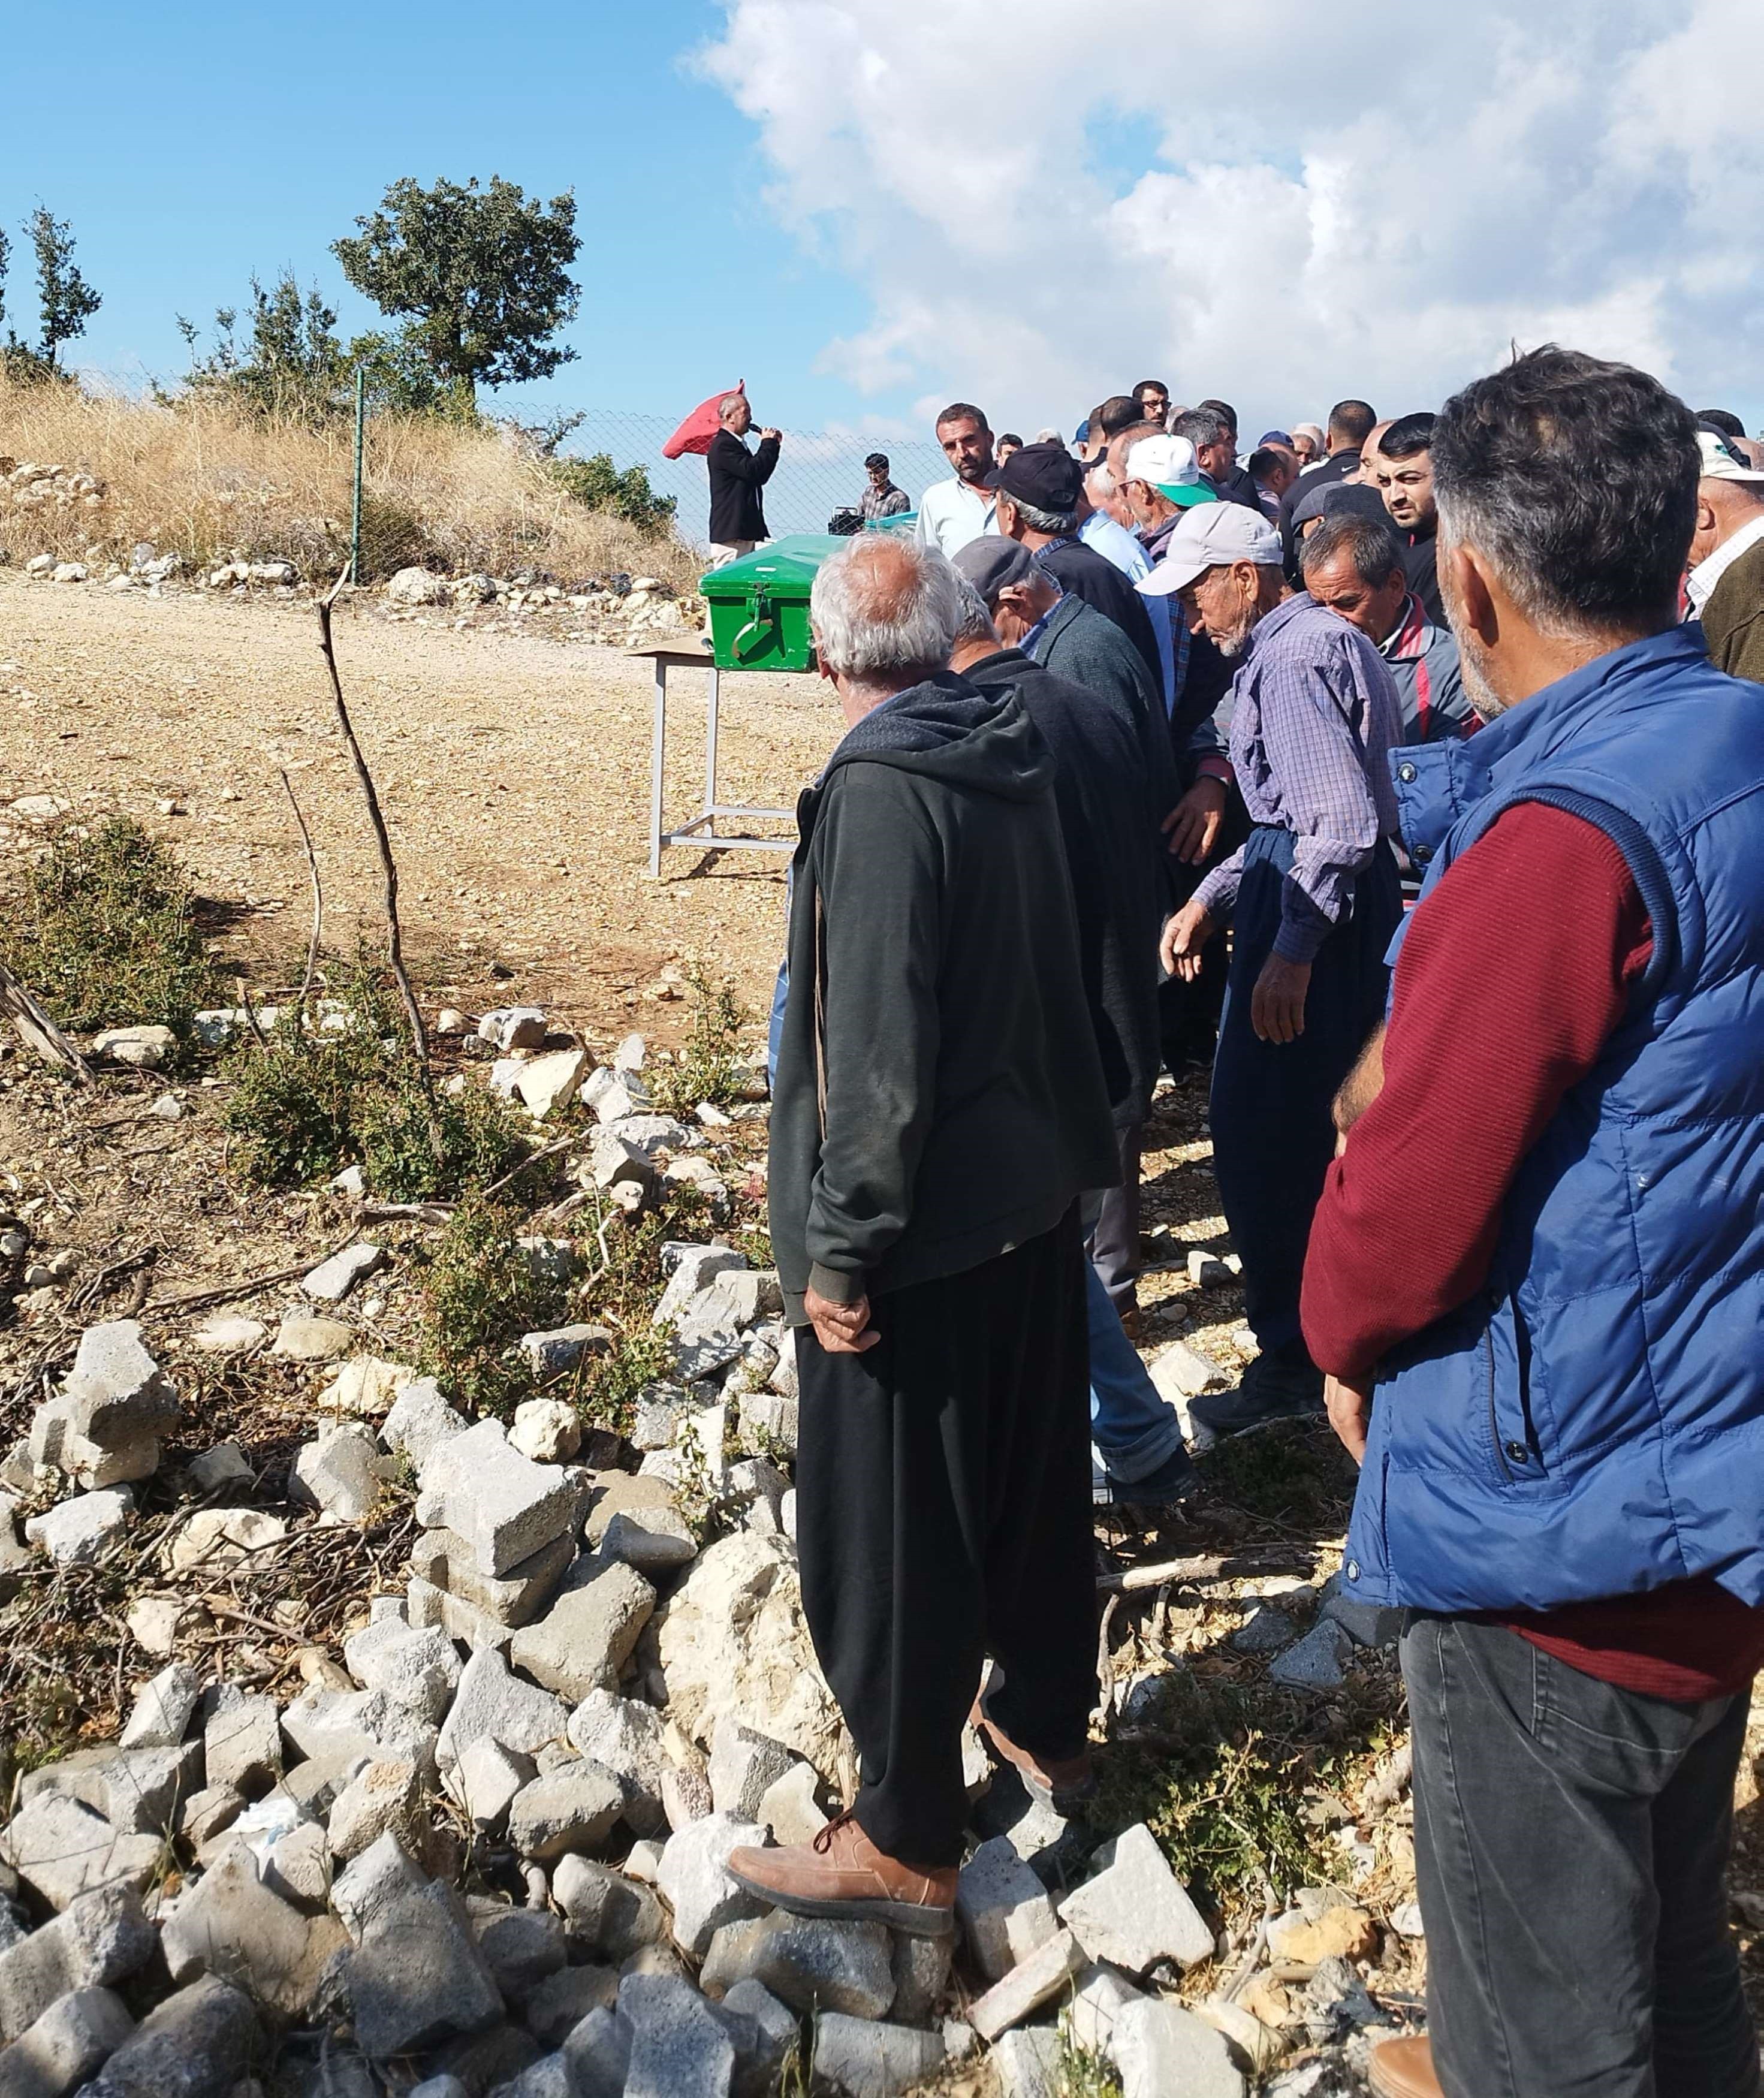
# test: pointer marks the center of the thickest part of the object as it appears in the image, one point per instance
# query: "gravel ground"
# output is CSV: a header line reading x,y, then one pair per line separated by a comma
x,y
514,769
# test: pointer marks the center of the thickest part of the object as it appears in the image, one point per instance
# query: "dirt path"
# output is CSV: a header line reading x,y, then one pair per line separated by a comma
x,y
514,771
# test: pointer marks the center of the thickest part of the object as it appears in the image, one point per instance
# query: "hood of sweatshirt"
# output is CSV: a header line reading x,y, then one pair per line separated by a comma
x,y
949,731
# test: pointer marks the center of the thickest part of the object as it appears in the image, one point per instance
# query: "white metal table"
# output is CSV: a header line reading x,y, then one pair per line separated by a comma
x,y
700,830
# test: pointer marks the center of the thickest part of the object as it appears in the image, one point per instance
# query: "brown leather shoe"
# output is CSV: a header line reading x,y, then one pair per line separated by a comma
x,y
841,1873
1064,1785
1404,2069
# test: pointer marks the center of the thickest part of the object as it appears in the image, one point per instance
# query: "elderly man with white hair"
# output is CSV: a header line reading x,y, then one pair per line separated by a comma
x,y
939,1106
737,513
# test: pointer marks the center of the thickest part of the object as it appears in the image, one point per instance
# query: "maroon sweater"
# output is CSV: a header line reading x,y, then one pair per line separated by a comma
x,y
1512,977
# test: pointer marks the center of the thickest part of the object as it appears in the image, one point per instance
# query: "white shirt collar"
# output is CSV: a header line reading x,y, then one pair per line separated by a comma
x,y
1700,585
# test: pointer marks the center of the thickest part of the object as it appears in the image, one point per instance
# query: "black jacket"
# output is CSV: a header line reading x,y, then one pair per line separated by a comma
x,y
1339,466
1115,859
1237,486
736,477
939,1097
1081,571
1420,569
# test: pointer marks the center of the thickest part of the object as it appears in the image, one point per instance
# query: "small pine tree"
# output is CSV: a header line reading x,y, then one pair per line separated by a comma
x,y
65,300
291,362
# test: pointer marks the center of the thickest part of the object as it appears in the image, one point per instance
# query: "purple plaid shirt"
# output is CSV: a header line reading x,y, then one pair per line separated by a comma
x,y
1315,713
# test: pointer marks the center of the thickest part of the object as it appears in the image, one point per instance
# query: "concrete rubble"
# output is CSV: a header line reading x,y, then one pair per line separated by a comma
x,y
589,1674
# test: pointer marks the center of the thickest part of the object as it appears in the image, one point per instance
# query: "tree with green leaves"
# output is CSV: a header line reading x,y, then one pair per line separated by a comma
x,y
479,278
65,301
291,363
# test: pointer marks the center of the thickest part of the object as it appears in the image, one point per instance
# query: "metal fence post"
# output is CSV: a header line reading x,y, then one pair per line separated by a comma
x,y
360,433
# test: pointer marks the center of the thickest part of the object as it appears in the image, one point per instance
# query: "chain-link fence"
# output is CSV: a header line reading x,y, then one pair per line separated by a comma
x,y
818,470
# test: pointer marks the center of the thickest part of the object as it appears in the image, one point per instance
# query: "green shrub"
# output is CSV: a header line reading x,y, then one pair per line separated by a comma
x,y
709,1067
598,485
480,1294
416,1148
293,1112
107,934
609,1385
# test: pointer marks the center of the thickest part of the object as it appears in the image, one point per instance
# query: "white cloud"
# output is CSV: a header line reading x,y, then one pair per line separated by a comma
x,y
1374,199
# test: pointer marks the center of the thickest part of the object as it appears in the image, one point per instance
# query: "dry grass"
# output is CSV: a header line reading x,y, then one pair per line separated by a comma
x,y
202,480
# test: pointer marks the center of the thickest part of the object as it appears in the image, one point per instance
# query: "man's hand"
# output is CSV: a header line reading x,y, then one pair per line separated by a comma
x,y
770,437
1193,824
1277,1003
1351,1412
1184,935
842,1329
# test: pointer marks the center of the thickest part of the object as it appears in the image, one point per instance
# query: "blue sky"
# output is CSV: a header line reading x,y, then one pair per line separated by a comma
x,y
190,146
867,207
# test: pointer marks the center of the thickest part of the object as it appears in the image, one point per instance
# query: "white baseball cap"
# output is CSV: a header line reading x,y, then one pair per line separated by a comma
x,y
1209,536
1720,463
1169,465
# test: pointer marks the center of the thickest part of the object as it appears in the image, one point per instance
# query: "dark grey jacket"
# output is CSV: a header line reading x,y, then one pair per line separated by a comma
x,y
939,1098
1077,643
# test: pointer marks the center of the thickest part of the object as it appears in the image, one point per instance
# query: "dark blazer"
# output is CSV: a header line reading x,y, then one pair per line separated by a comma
x,y
736,477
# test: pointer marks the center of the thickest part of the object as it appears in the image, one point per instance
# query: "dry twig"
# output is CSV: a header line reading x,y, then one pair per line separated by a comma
x,y
388,866
318,894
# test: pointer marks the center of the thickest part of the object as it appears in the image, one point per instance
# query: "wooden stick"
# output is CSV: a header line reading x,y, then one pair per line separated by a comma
x,y
318,894
1231,1567
40,1032
388,866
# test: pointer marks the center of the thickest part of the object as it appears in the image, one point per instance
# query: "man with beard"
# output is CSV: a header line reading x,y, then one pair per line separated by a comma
x,y
1398,462
1312,898
953,511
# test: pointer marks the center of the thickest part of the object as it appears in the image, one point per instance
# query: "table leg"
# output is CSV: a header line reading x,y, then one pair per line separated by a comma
x,y
710,744
657,749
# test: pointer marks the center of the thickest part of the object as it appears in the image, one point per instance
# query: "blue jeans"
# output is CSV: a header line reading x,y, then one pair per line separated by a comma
x,y
1135,1430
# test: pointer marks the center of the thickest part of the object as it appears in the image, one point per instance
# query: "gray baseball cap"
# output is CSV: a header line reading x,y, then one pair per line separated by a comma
x,y
992,563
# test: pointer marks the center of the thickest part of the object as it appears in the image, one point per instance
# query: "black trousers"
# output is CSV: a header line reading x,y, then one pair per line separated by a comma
x,y
1273,1136
1571,1842
943,1512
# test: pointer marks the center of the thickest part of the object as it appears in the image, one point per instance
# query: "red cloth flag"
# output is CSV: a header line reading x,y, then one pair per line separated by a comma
x,y
696,432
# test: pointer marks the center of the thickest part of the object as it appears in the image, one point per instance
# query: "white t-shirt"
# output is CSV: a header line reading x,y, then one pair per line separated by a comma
x,y
950,513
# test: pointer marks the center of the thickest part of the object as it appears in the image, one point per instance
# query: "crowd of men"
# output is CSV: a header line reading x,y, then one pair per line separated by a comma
x,y
1145,739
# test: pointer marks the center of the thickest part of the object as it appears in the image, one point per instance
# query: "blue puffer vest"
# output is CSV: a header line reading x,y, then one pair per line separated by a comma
x,y
1592,1422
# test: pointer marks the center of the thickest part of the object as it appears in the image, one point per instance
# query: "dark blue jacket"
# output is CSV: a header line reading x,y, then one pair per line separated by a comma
x,y
1592,1422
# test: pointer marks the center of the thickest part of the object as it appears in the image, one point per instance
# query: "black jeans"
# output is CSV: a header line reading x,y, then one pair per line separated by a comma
x,y
943,1512
1571,1842
1273,1137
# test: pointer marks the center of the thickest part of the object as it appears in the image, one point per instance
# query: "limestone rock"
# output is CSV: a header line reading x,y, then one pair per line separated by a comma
x,y
868,2060
228,1924
303,1336
1135,1911
546,1430
1035,1981
75,1532
552,1354
492,1703
196,2044
1159,2047
695,1880
734,1645
586,1636
163,1709
744,1764
679,2046
241,1745
448,1562
380,1798
628,1739
520,1945
505,1506
571,1808
789,1806
214,1538
371,1883
419,1418
367,1385
332,1279
341,1474
418,1976
61,1849
810,1960
610,1913
70,2040
1002,1908
98,1939
420,1668
1316,1661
